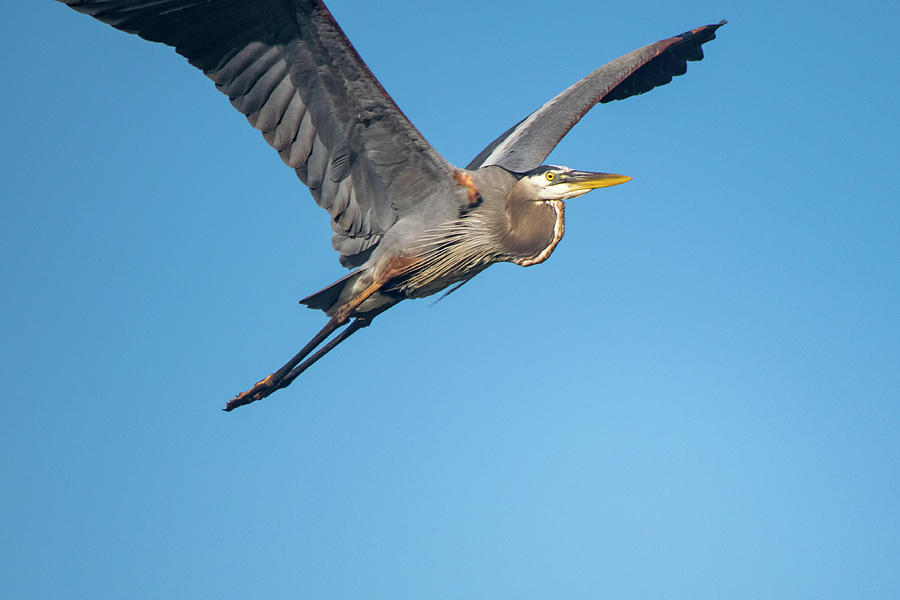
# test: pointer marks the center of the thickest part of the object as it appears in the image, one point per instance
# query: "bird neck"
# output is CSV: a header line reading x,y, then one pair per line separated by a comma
x,y
535,227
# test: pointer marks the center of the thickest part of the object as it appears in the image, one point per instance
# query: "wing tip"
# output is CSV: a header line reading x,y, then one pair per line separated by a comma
x,y
706,33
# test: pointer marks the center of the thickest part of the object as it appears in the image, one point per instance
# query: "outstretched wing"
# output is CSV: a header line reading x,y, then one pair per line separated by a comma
x,y
289,68
525,145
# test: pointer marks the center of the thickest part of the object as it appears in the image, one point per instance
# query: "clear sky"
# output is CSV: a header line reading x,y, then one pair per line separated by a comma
x,y
697,396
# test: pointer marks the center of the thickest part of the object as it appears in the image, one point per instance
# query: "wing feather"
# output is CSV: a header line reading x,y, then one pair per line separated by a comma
x,y
288,67
525,145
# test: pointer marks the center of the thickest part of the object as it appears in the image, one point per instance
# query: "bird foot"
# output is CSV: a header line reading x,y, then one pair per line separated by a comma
x,y
257,392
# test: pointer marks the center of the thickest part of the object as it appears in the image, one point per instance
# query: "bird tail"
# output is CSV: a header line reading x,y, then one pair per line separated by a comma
x,y
328,298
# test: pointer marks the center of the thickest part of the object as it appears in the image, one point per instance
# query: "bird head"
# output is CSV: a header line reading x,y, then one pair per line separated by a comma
x,y
551,182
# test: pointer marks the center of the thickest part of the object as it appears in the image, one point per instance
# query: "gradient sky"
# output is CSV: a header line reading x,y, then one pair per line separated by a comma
x,y
697,396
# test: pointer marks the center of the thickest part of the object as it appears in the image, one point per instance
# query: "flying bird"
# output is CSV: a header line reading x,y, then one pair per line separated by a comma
x,y
405,221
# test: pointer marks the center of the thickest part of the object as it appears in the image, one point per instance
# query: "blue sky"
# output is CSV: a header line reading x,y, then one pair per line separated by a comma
x,y
697,396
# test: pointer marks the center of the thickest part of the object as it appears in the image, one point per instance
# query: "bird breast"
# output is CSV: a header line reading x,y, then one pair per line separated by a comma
x,y
507,226
536,227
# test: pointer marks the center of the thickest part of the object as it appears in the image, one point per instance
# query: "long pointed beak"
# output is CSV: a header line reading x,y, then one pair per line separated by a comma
x,y
586,180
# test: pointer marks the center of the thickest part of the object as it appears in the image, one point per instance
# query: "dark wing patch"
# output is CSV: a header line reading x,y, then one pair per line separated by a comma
x,y
527,144
669,63
287,66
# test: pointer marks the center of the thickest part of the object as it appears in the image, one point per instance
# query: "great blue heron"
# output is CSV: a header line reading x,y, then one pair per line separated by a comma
x,y
408,222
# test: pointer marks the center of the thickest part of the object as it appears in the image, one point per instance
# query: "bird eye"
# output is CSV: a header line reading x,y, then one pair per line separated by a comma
x,y
550,175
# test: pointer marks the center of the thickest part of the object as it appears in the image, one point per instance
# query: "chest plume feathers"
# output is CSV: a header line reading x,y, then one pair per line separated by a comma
x,y
535,227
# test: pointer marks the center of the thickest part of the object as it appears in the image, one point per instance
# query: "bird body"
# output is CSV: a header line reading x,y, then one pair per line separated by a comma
x,y
504,224
407,221
508,222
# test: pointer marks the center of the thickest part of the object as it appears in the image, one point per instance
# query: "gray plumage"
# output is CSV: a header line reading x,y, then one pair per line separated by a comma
x,y
290,70
408,221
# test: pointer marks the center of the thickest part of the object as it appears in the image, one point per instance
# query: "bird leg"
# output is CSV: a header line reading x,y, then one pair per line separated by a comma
x,y
272,382
281,379
357,324
286,374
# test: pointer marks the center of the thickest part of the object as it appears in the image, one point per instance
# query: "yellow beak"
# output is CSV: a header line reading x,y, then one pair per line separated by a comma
x,y
586,180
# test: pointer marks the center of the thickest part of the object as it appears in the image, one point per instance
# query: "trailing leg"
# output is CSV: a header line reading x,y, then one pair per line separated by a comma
x,y
286,374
